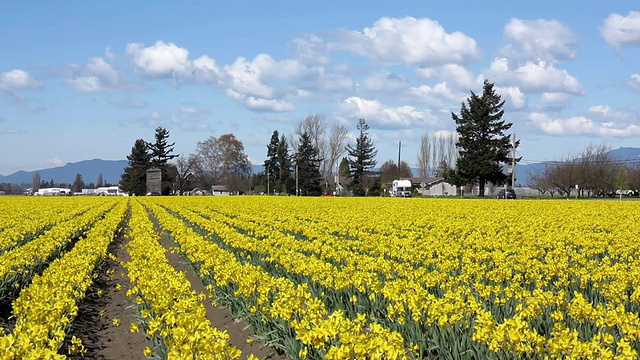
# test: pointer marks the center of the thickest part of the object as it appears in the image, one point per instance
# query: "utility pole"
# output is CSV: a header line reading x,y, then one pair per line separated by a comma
x,y
513,161
337,180
398,167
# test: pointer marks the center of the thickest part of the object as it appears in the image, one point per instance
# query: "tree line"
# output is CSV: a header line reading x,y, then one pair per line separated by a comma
x,y
299,164
318,157
592,172
78,183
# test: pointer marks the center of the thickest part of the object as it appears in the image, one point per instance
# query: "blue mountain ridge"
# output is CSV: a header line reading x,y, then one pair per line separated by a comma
x,y
622,155
89,169
111,170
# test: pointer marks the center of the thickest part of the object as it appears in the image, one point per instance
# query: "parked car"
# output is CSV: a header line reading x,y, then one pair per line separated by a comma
x,y
627,192
511,194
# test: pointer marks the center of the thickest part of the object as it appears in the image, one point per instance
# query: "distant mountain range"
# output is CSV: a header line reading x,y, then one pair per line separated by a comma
x,y
112,169
89,169
623,154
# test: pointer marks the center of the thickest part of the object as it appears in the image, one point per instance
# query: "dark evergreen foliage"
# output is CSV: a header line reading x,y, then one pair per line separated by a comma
x,y
484,147
134,178
285,181
161,154
78,184
362,158
343,169
271,164
308,165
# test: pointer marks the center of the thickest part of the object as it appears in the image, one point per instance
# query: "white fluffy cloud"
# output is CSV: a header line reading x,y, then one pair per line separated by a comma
x,y
55,161
245,77
261,104
160,59
17,80
453,74
410,41
439,95
581,125
607,112
183,120
384,81
634,81
619,30
310,50
554,97
540,39
170,60
381,116
96,76
513,97
535,77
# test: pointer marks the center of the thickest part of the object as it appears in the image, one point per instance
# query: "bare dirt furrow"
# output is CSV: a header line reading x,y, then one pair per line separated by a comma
x,y
95,321
219,316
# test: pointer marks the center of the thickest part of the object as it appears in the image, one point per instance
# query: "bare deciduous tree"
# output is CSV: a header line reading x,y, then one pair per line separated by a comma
x,y
435,157
315,126
390,171
338,137
452,151
184,168
563,175
539,180
35,182
222,161
424,156
597,169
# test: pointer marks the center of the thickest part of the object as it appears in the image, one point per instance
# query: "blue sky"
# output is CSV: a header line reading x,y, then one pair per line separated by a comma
x,y
82,80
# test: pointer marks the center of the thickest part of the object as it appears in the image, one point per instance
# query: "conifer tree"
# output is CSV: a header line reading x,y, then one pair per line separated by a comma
x,y
484,147
308,164
362,159
134,178
161,154
78,184
285,181
271,164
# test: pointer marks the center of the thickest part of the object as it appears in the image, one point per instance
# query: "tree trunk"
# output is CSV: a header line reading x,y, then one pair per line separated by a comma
x,y
481,187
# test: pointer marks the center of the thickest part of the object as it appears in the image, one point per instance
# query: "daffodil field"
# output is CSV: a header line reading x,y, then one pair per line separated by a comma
x,y
331,278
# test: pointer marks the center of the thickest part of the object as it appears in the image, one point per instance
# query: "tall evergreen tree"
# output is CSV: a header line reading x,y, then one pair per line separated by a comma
x,y
35,182
78,184
161,154
483,145
285,181
362,158
134,178
343,170
308,164
271,164
100,181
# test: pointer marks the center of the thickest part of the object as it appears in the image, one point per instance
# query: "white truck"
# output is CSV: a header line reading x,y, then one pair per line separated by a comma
x,y
401,188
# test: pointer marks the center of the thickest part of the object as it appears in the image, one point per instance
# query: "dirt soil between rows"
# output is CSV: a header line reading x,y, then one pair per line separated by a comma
x,y
104,340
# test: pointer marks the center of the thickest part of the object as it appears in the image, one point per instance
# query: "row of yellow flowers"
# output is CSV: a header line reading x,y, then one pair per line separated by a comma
x,y
322,332
443,277
28,216
45,308
360,272
459,261
172,314
19,264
